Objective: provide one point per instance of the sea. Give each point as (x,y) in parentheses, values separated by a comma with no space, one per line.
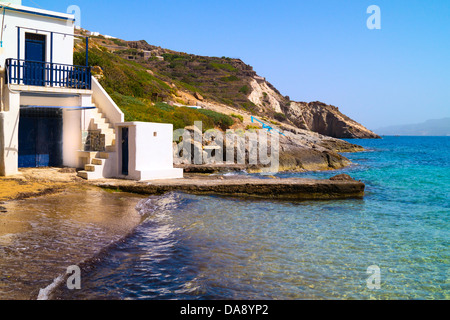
(392,244)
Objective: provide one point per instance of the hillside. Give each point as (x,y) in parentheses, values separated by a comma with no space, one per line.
(152,84)
(138,74)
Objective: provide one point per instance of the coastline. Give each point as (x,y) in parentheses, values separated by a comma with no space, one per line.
(30,199)
(244,186)
(198,179)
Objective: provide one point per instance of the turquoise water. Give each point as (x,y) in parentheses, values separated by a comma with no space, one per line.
(207,247)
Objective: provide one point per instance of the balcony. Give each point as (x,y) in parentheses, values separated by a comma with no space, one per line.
(46,74)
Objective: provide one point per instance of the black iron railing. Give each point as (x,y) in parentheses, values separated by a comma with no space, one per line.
(46,74)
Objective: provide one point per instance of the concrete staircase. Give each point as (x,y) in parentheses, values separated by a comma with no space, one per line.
(96,161)
(102,124)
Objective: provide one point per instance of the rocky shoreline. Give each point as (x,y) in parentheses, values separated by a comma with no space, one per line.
(339,187)
(201,179)
(297,151)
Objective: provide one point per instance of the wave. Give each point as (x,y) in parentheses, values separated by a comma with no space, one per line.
(152,207)
(45,294)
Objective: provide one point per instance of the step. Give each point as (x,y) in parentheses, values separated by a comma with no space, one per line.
(98,162)
(102,155)
(103,122)
(110,141)
(90,167)
(90,175)
(111,148)
(88,154)
(94,154)
(109,135)
(99,119)
(83,174)
(105,127)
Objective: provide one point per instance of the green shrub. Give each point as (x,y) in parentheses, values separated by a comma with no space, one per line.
(280,117)
(125,77)
(169,57)
(130,51)
(164,106)
(250,107)
(136,109)
(238,116)
(230,79)
(220,120)
(253,127)
(227,101)
(119,42)
(245,90)
(223,66)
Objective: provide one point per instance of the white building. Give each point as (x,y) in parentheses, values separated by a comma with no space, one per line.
(93,33)
(53,113)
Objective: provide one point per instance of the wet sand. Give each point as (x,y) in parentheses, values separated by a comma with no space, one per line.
(41,237)
(50,220)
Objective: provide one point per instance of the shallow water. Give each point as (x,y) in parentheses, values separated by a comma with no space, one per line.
(208,247)
(49,234)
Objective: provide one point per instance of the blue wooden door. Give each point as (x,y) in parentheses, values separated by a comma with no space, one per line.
(40,138)
(27,142)
(34,67)
(125,152)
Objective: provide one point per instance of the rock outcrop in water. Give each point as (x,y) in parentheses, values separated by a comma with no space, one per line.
(299,151)
(239,186)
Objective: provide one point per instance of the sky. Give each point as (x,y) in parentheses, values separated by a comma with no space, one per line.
(319,50)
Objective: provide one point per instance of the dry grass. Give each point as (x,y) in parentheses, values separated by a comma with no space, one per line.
(36,182)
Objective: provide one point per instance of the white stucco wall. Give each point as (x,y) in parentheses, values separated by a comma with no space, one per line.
(71,138)
(154,146)
(29,99)
(62,44)
(150,151)
(9,134)
(106,105)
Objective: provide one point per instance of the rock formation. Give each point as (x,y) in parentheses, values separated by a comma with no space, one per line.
(300,152)
(327,120)
(315,116)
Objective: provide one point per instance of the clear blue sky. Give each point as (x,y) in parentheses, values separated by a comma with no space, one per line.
(310,50)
